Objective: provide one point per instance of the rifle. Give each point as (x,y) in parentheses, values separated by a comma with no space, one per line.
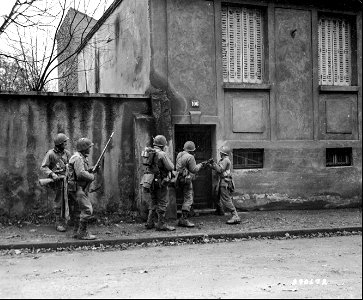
(207,162)
(95,167)
(46,181)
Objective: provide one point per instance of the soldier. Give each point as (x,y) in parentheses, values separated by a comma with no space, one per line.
(80,177)
(54,166)
(160,169)
(225,185)
(187,168)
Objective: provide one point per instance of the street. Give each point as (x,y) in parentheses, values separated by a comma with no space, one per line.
(329,267)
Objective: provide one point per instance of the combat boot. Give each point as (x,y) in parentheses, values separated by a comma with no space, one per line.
(59,224)
(151,219)
(235,218)
(183,221)
(161,225)
(83,234)
(219,211)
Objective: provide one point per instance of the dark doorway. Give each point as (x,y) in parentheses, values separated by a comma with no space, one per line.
(201,135)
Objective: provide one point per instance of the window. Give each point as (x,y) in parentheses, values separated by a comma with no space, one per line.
(334,51)
(242,44)
(336,157)
(247,158)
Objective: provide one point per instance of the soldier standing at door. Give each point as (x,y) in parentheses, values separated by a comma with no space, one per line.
(187,168)
(54,166)
(225,185)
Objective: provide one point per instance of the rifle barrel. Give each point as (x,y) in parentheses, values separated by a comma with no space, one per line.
(103,152)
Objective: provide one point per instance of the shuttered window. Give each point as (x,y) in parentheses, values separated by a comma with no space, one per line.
(242,44)
(334,51)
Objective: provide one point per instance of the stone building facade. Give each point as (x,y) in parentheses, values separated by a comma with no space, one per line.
(279,82)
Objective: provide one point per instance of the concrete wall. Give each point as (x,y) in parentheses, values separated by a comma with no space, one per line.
(29,123)
(122,48)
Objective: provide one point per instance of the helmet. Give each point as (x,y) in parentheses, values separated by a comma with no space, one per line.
(83,144)
(60,138)
(225,150)
(189,146)
(160,141)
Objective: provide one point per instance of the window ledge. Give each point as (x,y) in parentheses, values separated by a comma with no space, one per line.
(246,86)
(333,88)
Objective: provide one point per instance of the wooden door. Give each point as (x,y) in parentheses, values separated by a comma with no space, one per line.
(201,135)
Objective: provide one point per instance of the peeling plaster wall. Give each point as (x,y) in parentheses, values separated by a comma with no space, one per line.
(287,115)
(123,44)
(191,55)
(296,177)
(29,123)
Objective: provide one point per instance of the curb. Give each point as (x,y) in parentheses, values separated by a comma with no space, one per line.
(238,235)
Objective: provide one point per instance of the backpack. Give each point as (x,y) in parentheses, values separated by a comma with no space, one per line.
(148,156)
(148,159)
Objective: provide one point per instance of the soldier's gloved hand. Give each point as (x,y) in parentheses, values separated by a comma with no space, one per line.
(94,171)
(98,169)
(55,177)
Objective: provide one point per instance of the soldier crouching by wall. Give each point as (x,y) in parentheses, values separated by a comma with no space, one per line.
(54,166)
(155,182)
(225,185)
(80,177)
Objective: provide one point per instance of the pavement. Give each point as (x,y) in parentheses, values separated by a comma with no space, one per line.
(254,224)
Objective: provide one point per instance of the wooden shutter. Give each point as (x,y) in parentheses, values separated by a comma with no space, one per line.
(232,45)
(242,45)
(225,43)
(259,47)
(246,46)
(346,53)
(334,52)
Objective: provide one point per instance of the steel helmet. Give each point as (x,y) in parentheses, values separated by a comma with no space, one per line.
(189,146)
(83,144)
(225,150)
(160,141)
(60,138)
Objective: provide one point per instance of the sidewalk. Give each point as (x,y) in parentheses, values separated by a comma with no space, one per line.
(254,223)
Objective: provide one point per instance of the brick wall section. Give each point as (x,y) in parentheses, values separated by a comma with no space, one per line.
(73,30)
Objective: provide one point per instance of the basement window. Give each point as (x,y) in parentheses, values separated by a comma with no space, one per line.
(248,158)
(338,157)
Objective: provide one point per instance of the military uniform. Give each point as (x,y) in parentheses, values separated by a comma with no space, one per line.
(157,176)
(159,200)
(226,187)
(55,162)
(79,178)
(187,166)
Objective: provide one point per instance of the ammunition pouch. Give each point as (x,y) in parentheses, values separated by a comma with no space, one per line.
(147,180)
(72,186)
(166,181)
(230,186)
(186,177)
(174,178)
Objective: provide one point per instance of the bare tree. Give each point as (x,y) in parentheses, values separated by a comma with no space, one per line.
(12,77)
(51,47)
(23,13)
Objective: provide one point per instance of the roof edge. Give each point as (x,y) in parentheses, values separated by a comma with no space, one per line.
(99,23)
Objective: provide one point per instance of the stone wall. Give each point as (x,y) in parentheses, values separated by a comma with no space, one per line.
(29,124)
